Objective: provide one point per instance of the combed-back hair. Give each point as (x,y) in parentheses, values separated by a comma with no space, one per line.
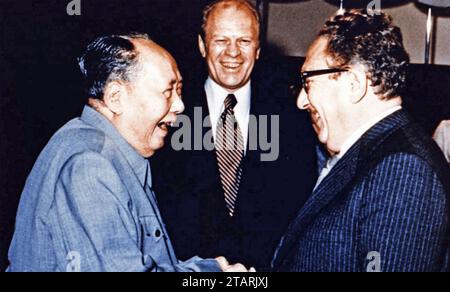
(109,58)
(227,4)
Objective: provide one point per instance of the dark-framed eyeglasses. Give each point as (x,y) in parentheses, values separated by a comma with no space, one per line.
(307,74)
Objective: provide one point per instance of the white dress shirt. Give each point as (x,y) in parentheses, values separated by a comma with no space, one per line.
(442,138)
(216,95)
(351,141)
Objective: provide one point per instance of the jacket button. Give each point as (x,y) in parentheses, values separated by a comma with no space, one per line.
(158,233)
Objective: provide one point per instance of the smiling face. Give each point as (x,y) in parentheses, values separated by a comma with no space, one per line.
(326,100)
(231,46)
(152,100)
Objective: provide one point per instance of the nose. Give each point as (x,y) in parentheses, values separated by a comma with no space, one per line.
(233,49)
(177,105)
(302,101)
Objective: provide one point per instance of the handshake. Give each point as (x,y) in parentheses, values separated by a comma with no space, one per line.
(236,268)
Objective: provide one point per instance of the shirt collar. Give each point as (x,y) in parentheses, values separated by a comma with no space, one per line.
(363,129)
(218,94)
(139,164)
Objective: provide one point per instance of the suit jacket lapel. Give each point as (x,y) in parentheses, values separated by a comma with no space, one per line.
(251,164)
(344,172)
(327,191)
(208,158)
(209,187)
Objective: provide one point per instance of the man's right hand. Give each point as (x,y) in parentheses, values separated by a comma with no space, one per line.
(236,268)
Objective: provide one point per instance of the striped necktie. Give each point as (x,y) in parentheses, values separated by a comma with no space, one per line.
(230,152)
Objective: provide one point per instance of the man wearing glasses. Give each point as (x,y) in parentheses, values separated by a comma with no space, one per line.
(381,202)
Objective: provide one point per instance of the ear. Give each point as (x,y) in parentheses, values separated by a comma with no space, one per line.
(113,97)
(258,52)
(358,84)
(201,46)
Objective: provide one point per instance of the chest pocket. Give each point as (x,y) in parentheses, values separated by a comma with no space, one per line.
(153,245)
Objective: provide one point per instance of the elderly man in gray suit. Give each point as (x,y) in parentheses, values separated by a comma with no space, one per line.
(88,204)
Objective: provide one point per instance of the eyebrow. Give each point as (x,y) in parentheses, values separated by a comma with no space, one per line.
(175,81)
(227,37)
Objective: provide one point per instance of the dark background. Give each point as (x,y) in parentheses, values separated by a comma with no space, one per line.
(40,86)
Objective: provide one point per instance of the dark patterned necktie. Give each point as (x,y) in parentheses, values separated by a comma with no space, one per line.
(230,152)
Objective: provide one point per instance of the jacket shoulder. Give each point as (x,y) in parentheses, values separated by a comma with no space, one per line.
(407,146)
(79,136)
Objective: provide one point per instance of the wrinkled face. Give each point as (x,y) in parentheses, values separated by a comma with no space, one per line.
(153,100)
(231,47)
(325,99)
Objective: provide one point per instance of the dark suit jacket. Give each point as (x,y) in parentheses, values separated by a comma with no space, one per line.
(190,193)
(388,194)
